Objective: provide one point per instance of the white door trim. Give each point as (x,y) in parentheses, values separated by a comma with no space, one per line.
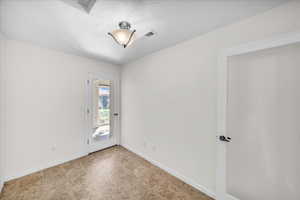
(276,41)
(115,78)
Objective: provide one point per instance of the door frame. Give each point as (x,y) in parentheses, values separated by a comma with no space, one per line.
(115,107)
(277,41)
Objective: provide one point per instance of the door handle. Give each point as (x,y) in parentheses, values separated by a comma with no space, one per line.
(224,139)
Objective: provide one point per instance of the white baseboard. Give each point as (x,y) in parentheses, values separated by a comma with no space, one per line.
(185,179)
(229,197)
(41,167)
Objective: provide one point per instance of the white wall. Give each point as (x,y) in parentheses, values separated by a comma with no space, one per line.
(263,120)
(169,97)
(43,101)
(2,47)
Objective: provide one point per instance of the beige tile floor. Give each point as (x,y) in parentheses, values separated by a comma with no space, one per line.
(111,174)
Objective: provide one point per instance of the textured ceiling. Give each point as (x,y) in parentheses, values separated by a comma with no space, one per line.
(59,25)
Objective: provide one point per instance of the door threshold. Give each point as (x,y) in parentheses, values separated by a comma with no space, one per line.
(104,149)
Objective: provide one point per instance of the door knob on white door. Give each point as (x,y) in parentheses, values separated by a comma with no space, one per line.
(224,138)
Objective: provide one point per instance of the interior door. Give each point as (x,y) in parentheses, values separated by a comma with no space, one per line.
(102,112)
(262,120)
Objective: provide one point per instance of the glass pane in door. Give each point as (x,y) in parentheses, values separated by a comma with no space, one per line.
(263,112)
(102,111)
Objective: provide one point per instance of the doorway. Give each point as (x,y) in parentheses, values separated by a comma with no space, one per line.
(103,116)
(258,132)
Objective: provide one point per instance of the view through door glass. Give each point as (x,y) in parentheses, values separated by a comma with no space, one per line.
(102,110)
(263,112)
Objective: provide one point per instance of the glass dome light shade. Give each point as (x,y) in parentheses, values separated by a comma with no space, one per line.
(123,36)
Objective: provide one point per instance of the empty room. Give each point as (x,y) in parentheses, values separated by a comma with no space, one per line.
(149,99)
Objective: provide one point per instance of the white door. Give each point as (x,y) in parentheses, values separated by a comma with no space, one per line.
(102,112)
(261,161)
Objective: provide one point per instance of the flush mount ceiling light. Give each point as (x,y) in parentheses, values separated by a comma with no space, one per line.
(123,36)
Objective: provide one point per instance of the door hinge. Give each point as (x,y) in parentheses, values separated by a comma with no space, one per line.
(88,141)
(88,81)
(88,111)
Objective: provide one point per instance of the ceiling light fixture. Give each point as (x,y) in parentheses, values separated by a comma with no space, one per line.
(123,36)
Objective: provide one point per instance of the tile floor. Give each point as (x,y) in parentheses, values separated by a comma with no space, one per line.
(111,174)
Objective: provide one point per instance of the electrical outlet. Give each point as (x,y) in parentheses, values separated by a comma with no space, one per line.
(154,148)
(53,148)
(145,144)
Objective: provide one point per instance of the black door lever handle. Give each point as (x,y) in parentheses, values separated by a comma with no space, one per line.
(225,139)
